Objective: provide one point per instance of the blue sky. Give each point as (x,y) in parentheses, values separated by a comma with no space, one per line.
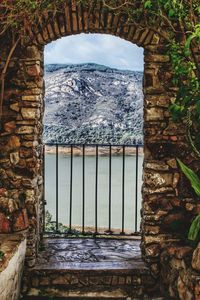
(95,48)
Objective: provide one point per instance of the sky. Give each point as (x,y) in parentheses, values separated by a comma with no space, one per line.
(102,49)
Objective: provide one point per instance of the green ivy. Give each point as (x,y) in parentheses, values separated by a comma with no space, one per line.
(2,254)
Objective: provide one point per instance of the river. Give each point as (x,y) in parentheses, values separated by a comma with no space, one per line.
(103,190)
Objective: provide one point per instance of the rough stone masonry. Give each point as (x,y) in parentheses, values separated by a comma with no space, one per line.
(167,197)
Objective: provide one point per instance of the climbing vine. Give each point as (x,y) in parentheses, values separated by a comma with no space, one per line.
(180,30)
(16,17)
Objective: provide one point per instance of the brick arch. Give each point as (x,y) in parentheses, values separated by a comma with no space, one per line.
(21,167)
(77,18)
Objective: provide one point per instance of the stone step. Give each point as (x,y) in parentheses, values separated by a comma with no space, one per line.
(104,274)
(93,298)
(89,280)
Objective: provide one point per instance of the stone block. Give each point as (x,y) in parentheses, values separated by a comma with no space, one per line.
(156,166)
(25,130)
(8,205)
(153,179)
(29,113)
(10,126)
(196,259)
(33,70)
(13,143)
(154,114)
(153,250)
(20,221)
(14,158)
(5,224)
(35,98)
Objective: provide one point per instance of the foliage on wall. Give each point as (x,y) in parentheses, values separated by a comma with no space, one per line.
(180,29)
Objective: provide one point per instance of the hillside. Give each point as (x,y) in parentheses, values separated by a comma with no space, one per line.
(91,103)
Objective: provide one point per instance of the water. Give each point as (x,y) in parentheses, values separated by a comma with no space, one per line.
(103,190)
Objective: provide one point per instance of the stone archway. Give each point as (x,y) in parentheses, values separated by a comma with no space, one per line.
(21,136)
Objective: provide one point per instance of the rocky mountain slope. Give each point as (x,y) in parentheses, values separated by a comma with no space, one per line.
(91,103)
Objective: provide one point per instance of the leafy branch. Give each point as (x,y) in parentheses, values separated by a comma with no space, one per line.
(195,183)
(180,29)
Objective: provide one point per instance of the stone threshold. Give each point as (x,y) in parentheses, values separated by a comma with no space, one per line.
(89,269)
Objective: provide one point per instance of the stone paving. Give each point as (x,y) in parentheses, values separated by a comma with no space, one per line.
(85,250)
(89,268)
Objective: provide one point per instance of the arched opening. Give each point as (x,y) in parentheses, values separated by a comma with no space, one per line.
(21,139)
(94,98)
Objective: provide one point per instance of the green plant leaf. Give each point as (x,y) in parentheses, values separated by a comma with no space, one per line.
(147,4)
(194,229)
(191,175)
(198,107)
(171,13)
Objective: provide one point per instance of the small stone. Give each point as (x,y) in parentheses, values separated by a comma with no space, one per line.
(26,153)
(155,268)
(15,107)
(13,143)
(44,281)
(169,220)
(197,291)
(157,179)
(121,280)
(196,258)
(33,52)
(190,206)
(114,280)
(176,180)
(35,282)
(154,114)
(3,192)
(128,280)
(30,263)
(136,280)
(20,221)
(172,163)
(5,224)
(152,229)
(29,113)
(10,126)
(34,70)
(35,98)
(179,252)
(157,166)
(11,206)
(14,158)
(173,138)
(153,250)
(25,130)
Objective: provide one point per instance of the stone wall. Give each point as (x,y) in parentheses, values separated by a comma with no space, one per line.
(11,265)
(167,196)
(181,279)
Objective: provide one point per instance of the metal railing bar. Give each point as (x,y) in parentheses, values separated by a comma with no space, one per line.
(71,189)
(123,188)
(57,187)
(136,188)
(96,190)
(94,145)
(44,185)
(110,186)
(83,212)
(97,153)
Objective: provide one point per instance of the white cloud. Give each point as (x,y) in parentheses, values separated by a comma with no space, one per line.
(97,48)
